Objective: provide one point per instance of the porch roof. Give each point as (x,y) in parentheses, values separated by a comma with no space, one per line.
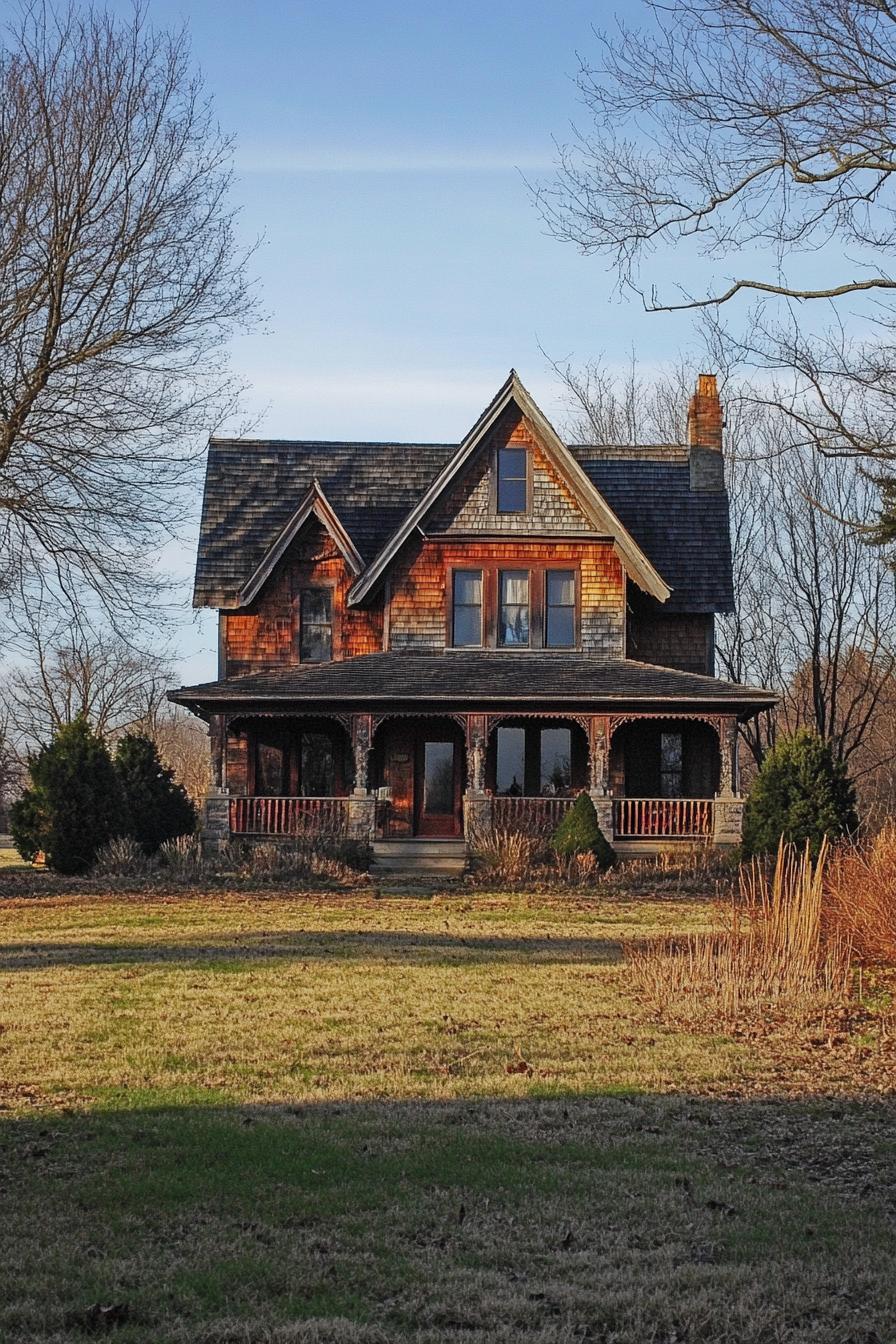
(474,679)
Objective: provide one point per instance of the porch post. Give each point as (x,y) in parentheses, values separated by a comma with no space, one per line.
(362,804)
(728,809)
(599,771)
(216,812)
(728,753)
(477,804)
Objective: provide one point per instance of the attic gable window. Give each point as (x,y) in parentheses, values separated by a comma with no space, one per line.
(315,625)
(512,480)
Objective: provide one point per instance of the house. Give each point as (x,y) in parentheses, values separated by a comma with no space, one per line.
(427,640)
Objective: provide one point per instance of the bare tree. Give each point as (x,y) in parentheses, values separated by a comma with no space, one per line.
(182,742)
(120,283)
(71,670)
(745,129)
(815,610)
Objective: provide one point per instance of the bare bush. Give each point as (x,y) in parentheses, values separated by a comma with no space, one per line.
(182,856)
(508,855)
(122,857)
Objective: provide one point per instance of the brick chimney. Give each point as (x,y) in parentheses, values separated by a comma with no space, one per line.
(705,425)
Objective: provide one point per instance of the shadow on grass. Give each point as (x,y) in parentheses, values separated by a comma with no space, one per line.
(605,1218)
(329,945)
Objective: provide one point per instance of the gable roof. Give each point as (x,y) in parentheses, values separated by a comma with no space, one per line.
(252,487)
(602,517)
(315,503)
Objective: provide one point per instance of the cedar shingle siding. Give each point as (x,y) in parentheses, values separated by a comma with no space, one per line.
(676,515)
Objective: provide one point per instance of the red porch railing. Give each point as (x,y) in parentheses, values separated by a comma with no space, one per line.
(529,814)
(671,818)
(288,816)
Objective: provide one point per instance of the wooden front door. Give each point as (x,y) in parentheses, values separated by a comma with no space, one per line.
(422,769)
(398,771)
(437,785)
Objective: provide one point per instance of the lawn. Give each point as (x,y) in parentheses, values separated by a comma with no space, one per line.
(256,1117)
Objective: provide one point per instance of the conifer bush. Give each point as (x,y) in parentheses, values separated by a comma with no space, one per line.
(158,808)
(579,833)
(801,794)
(74,803)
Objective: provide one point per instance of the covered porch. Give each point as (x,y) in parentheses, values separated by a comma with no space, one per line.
(447,747)
(656,780)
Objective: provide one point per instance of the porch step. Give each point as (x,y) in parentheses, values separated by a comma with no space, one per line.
(419,855)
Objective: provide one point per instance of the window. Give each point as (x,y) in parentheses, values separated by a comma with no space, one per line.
(513,613)
(467,612)
(316,625)
(513,477)
(510,765)
(317,766)
(671,765)
(270,768)
(559,609)
(555,761)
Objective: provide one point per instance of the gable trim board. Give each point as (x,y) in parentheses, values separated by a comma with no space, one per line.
(315,503)
(595,507)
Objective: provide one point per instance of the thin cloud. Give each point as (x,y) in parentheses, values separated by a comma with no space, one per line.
(337,160)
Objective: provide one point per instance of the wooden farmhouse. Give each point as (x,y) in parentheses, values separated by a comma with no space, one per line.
(422,641)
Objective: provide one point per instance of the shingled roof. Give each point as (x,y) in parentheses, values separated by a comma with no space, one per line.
(253,488)
(460,676)
(685,532)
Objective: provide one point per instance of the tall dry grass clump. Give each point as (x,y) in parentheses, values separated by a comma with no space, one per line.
(861,897)
(775,947)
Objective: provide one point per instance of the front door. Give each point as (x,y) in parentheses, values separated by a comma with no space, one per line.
(437,799)
(398,771)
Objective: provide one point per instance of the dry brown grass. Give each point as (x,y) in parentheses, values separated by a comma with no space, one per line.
(774,948)
(861,897)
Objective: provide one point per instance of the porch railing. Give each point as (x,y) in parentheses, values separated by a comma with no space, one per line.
(288,816)
(671,818)
(529,814)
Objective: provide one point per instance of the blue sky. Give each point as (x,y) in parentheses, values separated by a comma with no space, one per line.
(381,151)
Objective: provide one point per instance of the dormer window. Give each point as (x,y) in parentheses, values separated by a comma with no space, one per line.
(315,625)
(512,480)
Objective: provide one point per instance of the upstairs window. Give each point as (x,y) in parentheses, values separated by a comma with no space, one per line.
(513,609)
(315,625)
(513,480)
(559,609)
(466,630)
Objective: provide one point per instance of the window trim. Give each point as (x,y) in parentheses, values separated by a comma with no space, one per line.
(491,603)
(482,571)
(330,590)
(513,569)
(526,450)
(562,568)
